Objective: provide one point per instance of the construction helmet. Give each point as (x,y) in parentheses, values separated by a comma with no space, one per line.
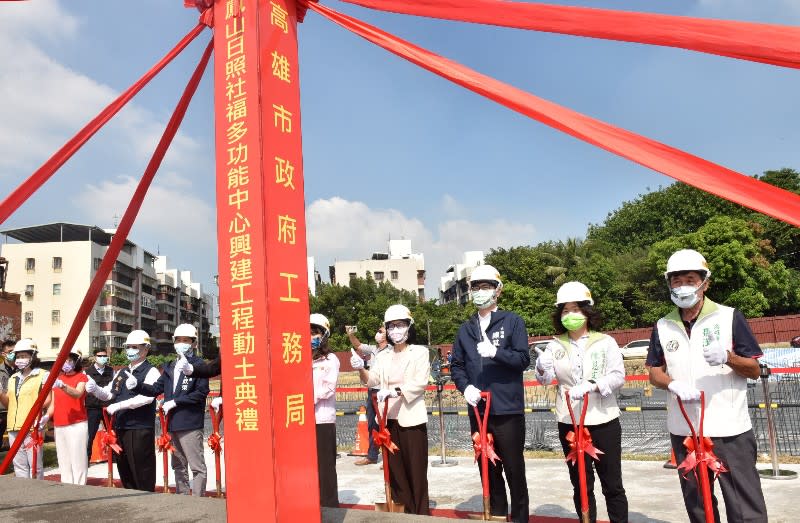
(26,345)
(185,329)
(138,337)
(321,321)
(398,312)
(486,273)
(573,291)
(687,260)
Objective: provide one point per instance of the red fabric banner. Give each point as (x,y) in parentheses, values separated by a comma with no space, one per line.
(18,196)
(682,166)
(766,43)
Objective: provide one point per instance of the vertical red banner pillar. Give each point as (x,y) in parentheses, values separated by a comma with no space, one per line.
(270,433)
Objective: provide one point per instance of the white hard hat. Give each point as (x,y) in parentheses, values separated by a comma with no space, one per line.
(138,337)
(320,321)
(485,273)
(687,260)
(398,312)
(573,291)
(26,345)
(185,329)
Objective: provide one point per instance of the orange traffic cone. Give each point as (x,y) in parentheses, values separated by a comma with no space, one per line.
(671,464)
(98,456)
(361,448)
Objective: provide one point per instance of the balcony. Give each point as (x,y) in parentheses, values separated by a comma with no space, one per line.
(164,316)
(115,326)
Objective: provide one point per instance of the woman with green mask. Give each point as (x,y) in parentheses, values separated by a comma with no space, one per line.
(584,360)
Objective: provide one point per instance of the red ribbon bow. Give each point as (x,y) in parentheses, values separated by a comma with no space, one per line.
(110,441)
(709,459)
(584,445)
(36,441)
(215,442)
(206,8)
(490,453)
(383,438)
(164,443)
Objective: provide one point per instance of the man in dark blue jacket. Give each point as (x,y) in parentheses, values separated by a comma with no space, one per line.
(185,407)
(489,355)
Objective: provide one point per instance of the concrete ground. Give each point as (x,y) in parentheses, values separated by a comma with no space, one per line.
(653,495)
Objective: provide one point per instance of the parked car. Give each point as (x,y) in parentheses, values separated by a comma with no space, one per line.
(635,349)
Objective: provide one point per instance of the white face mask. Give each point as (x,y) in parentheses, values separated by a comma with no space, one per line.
(183,348)
(132,354)
(21,363)
(484,298)
(398,334)
(684,296)
(380,337)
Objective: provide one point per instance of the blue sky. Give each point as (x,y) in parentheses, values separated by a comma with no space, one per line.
(389,149)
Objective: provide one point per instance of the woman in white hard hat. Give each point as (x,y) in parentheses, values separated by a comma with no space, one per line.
(326,373)
(23,389)
(402,374)
(584,360)
(70,420)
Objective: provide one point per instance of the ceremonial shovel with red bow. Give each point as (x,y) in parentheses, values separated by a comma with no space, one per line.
(164,444)
(34,444)
(483,444)
(580,443)
(383,439)
(110,444)
(215,444)
(700,458)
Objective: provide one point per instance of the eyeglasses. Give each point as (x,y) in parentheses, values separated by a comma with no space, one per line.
(482,287)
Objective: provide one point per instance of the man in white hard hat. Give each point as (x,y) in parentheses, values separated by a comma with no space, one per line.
(702,345)
(134,414)
(490,354)
(185,408)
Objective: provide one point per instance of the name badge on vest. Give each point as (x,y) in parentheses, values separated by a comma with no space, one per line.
(672,345)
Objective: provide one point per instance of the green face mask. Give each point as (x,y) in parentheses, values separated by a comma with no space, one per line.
(573,321)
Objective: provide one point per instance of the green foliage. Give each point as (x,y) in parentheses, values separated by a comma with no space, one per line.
(118,359)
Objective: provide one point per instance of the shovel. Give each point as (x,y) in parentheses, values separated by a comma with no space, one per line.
(110,445)
(383,438)
(580,449)
(164,443)
(34,444)
(484,452)
(215,444)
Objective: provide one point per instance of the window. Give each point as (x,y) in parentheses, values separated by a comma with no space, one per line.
(55,343)
(28,316)
(30,264)
(56,315)
(395,275)
(97,262)
(56,289)
(378,276)
(352,276)
(29,291)
(57,263)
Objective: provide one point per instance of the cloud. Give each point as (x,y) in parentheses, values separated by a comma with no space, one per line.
(340,229)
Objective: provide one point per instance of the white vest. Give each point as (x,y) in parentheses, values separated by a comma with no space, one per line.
(600,409)
(725,391)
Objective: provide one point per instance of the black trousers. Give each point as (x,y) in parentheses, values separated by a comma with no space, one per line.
(372,424)
(326,465)
(608,438)
(136,463)
(94,417)
(741,486)
(408,467)
(509,442)
(4,425)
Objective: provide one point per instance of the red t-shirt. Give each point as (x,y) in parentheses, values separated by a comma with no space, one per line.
(68,410)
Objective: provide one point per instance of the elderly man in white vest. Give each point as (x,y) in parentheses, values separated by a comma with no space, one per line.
(705,346)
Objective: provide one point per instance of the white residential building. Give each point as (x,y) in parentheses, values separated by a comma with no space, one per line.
(401,267)
(52,267)
(454,285)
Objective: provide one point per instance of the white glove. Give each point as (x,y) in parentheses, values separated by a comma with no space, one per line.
(578,391)
(356,361)
(544,360)
(168,406)
(216,403)
(113,409)
(487,349)
(472,395)
(91,386)
(58,384)
(714,353)
(684,391)
(43,421)
(183,366)
(130,382)
(382,394)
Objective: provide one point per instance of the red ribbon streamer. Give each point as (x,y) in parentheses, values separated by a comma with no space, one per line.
(491,455)
(110,257)
(382,438)
(164,441)
(709,459)
(215,439)
(109,441)
(692,170)
(766,43)
(585,444)
(702,456)
(206,8)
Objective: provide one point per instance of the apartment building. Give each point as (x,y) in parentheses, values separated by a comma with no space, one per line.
(454,285)
(52,265)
